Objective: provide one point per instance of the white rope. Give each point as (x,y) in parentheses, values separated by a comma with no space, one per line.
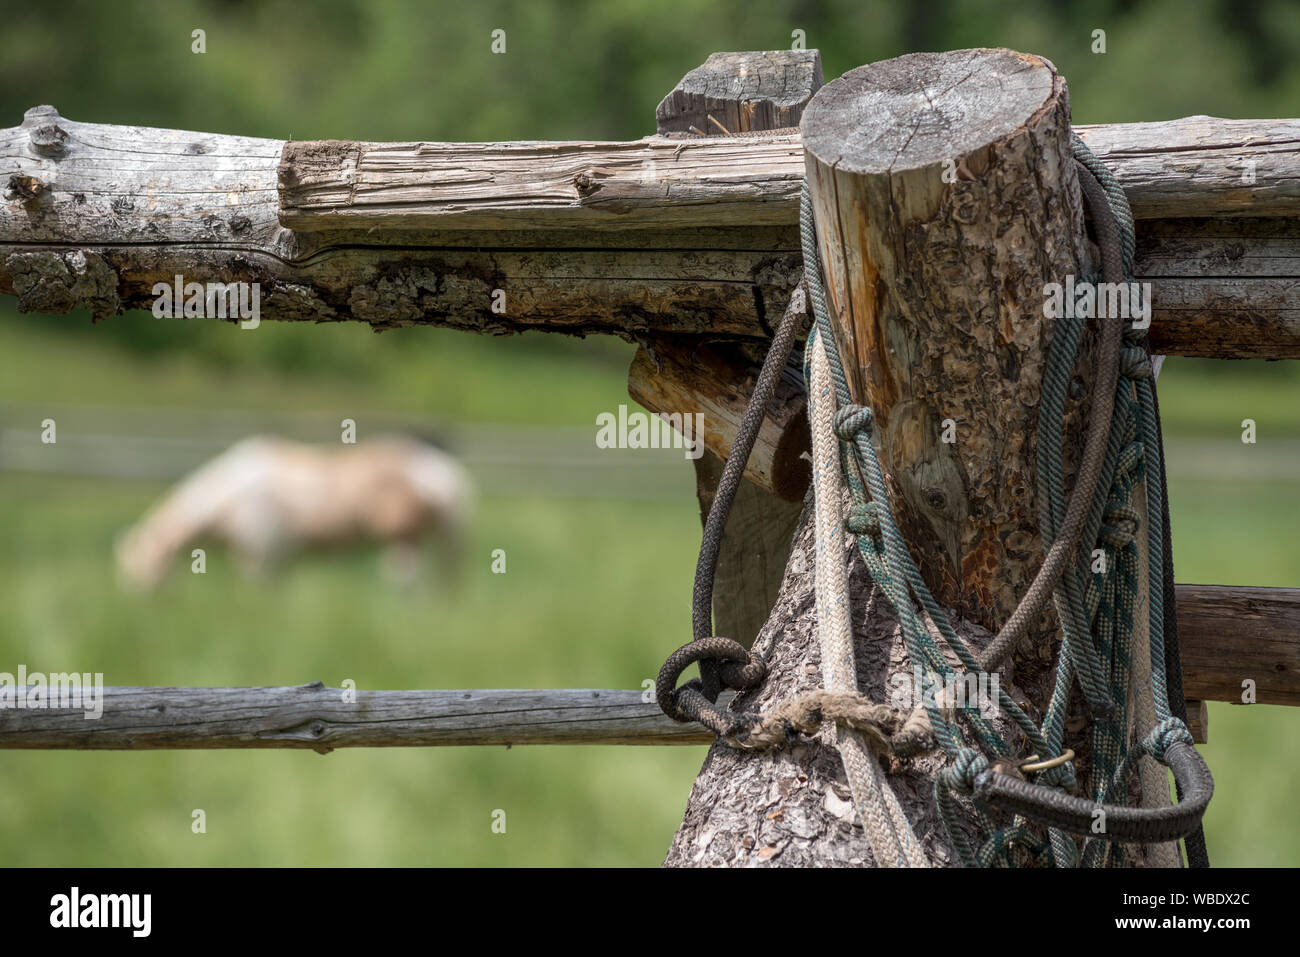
(890,835)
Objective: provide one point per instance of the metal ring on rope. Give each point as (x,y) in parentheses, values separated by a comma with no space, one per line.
(1121,823)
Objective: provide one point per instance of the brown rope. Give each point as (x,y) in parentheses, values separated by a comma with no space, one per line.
(1094,452)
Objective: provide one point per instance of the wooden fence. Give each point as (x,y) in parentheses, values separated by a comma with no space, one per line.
(685,243)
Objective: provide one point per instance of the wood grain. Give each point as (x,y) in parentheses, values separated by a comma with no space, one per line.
(1231,634)
(96,215)
(318,718)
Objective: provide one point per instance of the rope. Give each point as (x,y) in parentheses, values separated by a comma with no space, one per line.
(694,700)
(892,842)
(1095,611)
(1197,854)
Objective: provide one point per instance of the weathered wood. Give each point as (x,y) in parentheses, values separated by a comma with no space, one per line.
(1228,633)
(1203,165)
(1198,721)
(1182,168)
(937,289)
(99,214)
(120,209)
(655,182)
(936,292)
(1222,288)
(321,719)
(791,808)
(744,92)
(716,382)
(1232,634)
(751,92)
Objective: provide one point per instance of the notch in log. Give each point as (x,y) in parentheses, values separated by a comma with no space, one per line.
(716,382)
(744,92)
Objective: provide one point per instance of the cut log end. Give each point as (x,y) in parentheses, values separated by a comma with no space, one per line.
(925,108)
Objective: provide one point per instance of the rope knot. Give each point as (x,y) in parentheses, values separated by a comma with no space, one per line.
(967,765)
(1167,732)
(1120,524)
(852,419)
(1134,363)
(863,519)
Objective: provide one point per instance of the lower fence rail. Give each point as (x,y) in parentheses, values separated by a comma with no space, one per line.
(321,718)
(1239,644)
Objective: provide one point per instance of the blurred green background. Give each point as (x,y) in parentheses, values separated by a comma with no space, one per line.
(599,567)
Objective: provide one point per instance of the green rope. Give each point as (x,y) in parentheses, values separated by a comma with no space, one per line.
(1095,609)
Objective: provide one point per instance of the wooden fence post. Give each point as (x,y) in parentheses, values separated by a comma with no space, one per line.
(945,198)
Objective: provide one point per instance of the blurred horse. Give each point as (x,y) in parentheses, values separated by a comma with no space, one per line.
(268,497)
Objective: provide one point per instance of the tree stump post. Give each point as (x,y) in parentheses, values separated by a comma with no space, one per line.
(945,199)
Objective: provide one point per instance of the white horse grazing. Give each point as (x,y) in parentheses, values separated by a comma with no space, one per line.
(267,497)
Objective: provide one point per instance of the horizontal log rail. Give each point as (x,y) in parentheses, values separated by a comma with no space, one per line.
(1199,166)
(682,236)
(1229,635)
(319,718)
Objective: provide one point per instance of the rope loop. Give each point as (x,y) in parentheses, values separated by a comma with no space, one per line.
(737,668)
(1135,363)
(850,420)
(1119,525)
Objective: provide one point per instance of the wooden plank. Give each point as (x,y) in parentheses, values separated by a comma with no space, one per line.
(1203,165)
(1193,167)
(319,718)
(1230,634)
(655,182)
(1222,288)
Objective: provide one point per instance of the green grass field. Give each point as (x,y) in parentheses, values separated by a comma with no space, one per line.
(595,594)
(582,604)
